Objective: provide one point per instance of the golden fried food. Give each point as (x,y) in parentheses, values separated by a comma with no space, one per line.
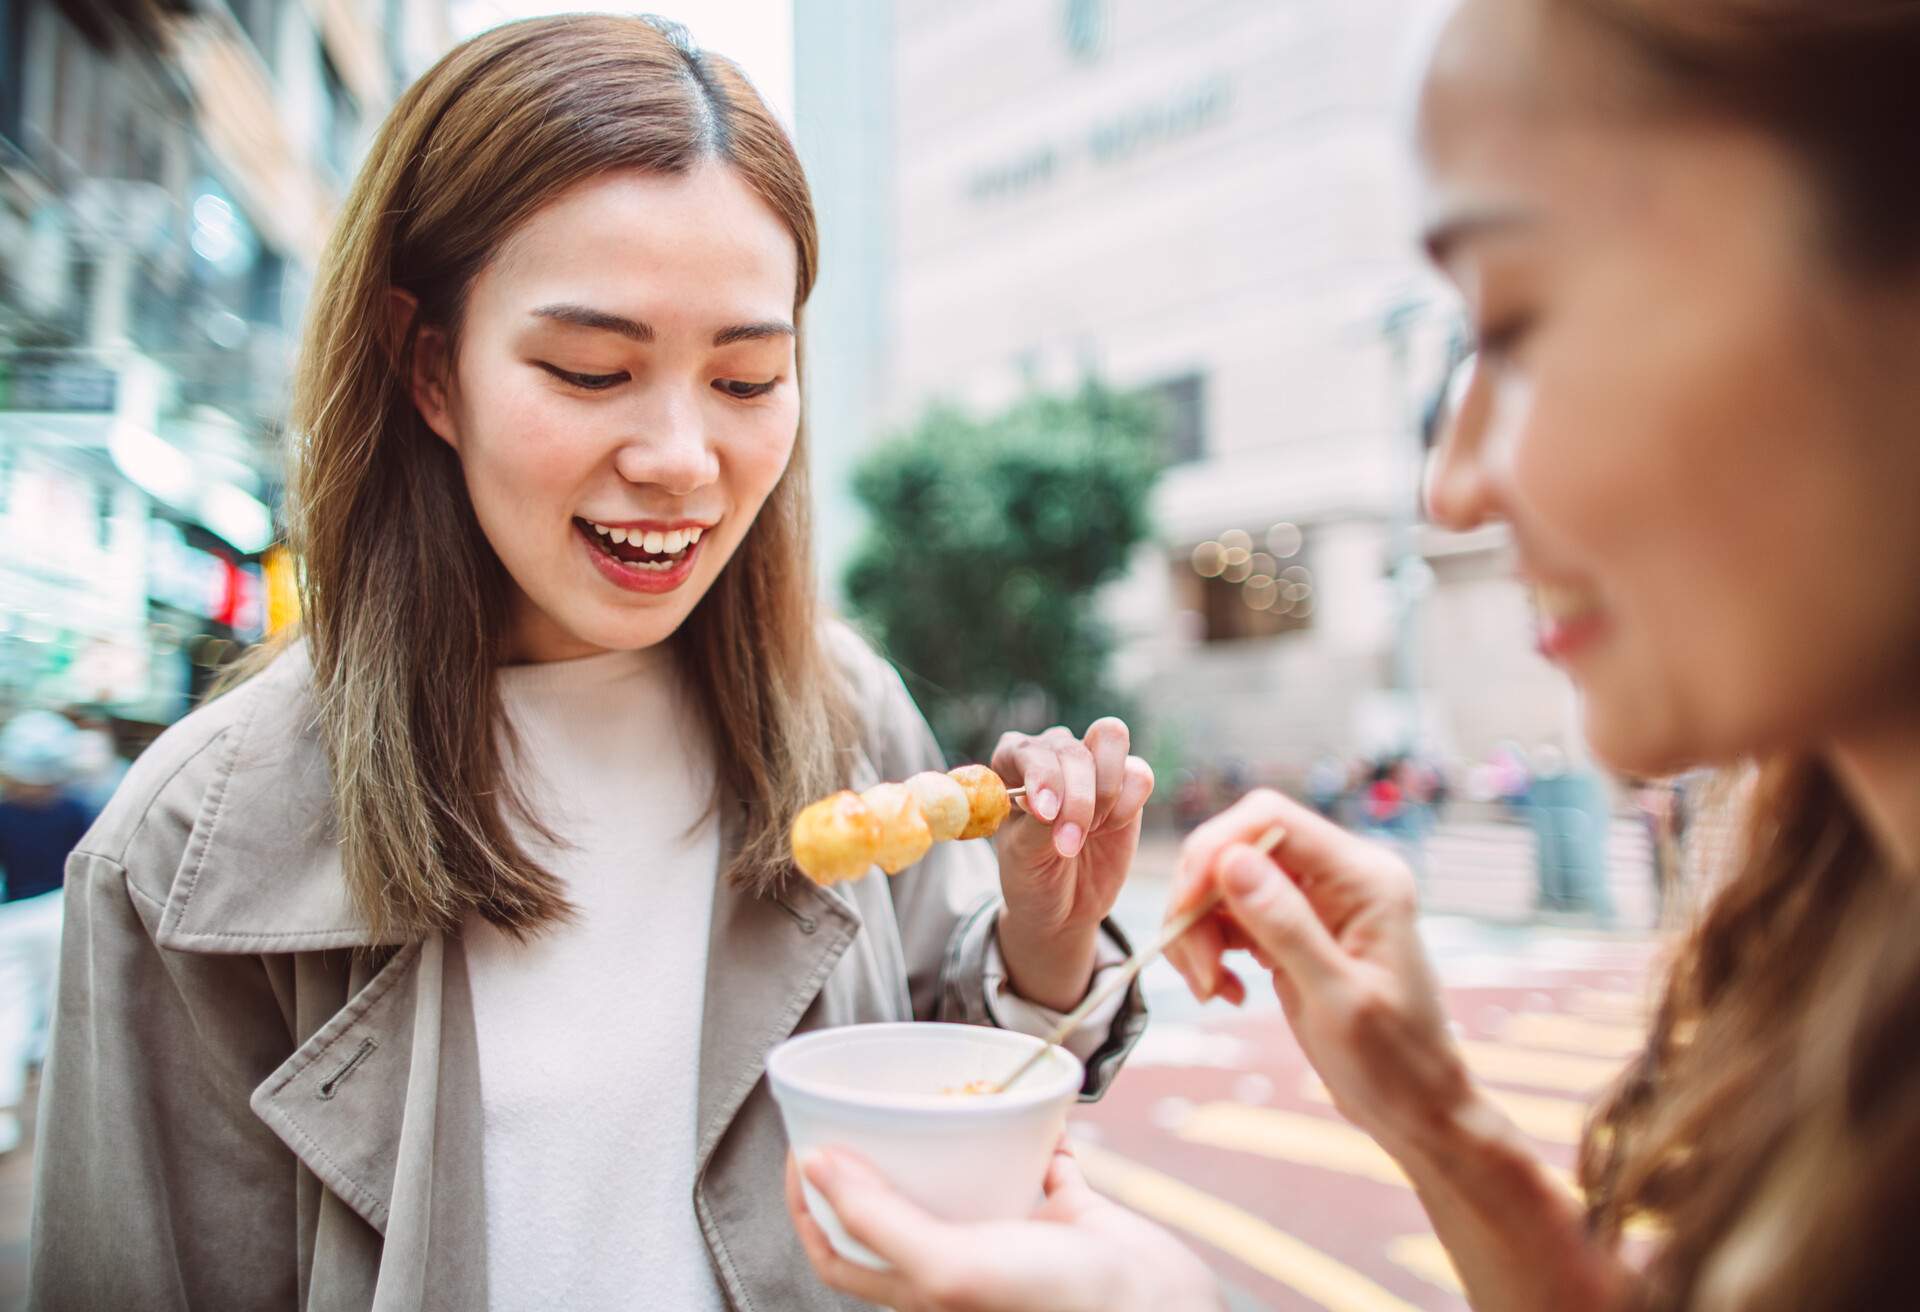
(904,834)
(971,1089)
(836,838)
(943,802)
(987,803)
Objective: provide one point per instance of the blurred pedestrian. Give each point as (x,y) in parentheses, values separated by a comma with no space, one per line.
(98,764)
(40,824)
(437,964)
(1326,784)
(1688,232)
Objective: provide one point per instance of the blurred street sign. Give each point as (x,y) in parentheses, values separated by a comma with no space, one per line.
(59,380)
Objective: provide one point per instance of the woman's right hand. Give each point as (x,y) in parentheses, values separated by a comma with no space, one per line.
(1333,917)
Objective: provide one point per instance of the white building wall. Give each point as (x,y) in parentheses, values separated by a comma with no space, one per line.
(1218,187)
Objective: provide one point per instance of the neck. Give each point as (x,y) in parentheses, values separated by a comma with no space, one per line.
(1880,768)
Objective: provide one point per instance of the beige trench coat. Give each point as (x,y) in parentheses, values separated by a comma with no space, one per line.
(249,1103)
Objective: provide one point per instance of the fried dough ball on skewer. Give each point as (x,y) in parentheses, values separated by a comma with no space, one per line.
(904,834)
(943,802)
(987,802)
(836,838)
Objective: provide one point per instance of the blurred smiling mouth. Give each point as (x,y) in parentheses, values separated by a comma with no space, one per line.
(1569,618)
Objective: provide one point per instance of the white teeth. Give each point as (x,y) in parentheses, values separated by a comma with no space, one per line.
(670,543)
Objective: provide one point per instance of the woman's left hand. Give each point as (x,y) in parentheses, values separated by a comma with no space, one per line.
(1078,1253)
(1065,852)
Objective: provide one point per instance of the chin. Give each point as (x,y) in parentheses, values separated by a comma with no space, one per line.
(632,632)
(1638,740)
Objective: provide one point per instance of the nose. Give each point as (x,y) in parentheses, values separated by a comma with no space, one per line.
(668,448)
(1459,484)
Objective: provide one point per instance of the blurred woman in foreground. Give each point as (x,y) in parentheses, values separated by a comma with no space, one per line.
(1688,232)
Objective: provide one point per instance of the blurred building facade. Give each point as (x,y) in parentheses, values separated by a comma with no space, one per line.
(168,169)
(1205,198)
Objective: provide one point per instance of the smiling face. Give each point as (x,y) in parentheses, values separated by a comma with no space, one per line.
(1698,427)
(623,400)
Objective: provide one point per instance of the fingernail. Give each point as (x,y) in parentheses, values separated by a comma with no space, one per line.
(1045,804)
(1245,874)
(1068,839)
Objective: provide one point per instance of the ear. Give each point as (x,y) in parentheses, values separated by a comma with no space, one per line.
(429,367)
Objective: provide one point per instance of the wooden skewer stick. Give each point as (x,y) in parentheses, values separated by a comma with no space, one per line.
(1124,976)
(1021,791)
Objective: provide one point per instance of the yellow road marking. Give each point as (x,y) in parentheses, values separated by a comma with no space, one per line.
(1236,1232)
(1426,1257)
(1538,1070)
(1292,1137)
(1626,1008)
(1594,1038)
(1552,1120)
(1306,1140)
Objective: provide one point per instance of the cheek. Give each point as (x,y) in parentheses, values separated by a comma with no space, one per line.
(1675,462)
(757,450)
(526,447)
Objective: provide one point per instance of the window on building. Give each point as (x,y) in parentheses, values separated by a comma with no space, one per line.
(1246,585)
(1183,422)
(343,121)
(13,68)
(257,20)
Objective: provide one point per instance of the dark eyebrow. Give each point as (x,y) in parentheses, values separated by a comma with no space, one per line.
(581,316)
(1446,235)
(752,332)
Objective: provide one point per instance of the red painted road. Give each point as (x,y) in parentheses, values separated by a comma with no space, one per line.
(1347,1214)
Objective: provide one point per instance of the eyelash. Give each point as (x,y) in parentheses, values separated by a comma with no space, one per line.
(1499,341)
(601,382)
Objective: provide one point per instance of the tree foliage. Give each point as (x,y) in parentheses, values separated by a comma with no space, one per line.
(985,542)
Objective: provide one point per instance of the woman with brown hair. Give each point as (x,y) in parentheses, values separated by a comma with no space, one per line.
(437,964)
(1688,233)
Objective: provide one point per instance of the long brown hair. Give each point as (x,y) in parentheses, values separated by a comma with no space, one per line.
(1771,1127)
(405,603)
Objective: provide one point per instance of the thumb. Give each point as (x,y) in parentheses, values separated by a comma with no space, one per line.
(873,1213)
(1272,911)
(1067,1189)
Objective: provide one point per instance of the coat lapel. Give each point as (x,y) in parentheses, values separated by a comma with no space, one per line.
(767,960)
(382,1104)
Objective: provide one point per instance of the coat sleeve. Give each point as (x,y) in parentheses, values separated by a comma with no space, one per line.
(154,1184)
(948,905)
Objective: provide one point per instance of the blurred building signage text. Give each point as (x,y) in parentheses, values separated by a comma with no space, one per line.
(186,578)
(1111,140)
(60,380)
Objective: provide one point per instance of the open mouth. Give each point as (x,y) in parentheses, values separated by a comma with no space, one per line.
(650,550)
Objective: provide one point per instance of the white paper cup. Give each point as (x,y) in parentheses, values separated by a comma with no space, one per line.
(877,1089)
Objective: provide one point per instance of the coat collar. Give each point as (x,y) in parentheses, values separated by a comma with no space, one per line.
(261,872)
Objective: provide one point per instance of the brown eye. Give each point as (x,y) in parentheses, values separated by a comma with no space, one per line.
(740,390)
(585,382)
(1499,341)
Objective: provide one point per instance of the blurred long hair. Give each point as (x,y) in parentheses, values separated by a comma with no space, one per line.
(1771,1126)
(405,603)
